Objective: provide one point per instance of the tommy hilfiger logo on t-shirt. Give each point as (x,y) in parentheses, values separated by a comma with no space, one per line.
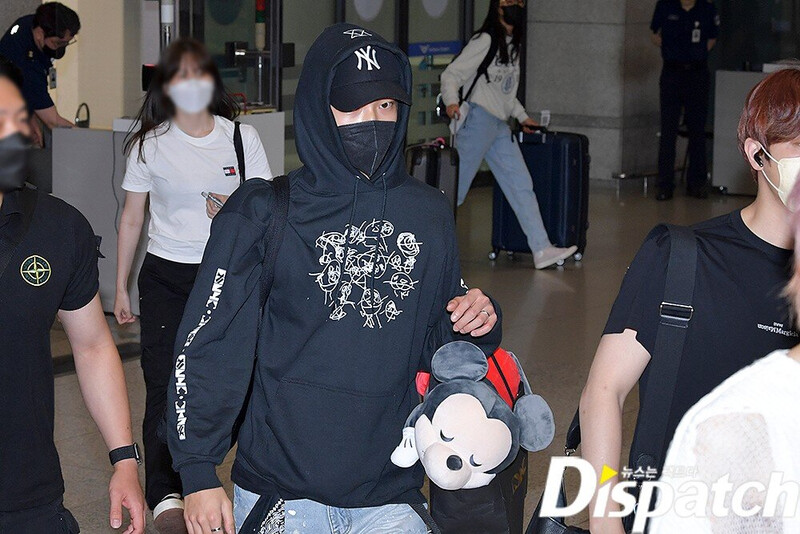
(229,171)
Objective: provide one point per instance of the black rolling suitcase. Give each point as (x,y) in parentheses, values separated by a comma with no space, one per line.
(436,164)
(559,165)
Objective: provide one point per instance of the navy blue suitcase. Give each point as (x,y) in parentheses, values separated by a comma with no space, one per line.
(559,166)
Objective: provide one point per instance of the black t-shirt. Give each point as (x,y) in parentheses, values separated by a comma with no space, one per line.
(18,46)
(54,267)
(740,314)
(685,34)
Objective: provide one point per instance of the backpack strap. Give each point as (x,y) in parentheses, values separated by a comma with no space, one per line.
(423,514)
(238,145)
(676,312)
(483,68)
(27,199)
(273,237)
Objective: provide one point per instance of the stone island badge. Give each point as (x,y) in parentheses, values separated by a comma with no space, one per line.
(35,270)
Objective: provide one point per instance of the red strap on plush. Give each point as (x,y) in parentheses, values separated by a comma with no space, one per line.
(423,380)
(503,374)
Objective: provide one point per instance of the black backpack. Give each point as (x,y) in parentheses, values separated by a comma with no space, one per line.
(483,70)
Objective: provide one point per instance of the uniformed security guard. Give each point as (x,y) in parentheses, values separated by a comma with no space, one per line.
(48,268)
(686,30)
(32,43)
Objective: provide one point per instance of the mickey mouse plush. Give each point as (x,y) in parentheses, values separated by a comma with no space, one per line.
(464,433)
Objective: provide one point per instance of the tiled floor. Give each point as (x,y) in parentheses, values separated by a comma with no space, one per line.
(553,320)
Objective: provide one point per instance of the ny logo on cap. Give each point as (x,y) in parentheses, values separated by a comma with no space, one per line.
(367,55)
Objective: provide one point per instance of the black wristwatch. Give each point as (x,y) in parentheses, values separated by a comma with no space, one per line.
(125,453)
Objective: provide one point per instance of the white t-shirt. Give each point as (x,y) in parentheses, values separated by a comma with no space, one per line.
(747,428)
(176,169)
(499,96)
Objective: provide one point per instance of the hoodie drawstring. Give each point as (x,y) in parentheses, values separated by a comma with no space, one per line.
(348,230)
(380,229)
(348,233)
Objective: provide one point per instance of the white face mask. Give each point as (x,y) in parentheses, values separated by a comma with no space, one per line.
(788,170)
(191,96)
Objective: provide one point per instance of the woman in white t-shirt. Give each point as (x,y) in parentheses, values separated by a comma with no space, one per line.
(733,466)
(485,133)
(182,158)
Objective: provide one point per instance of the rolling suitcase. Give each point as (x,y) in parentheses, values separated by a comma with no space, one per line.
(436,164)
(559,166)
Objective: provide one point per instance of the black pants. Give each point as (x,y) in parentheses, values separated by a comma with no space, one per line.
(51,518)
(683,87)
(164,288)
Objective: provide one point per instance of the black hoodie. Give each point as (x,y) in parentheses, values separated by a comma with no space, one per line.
(351,318)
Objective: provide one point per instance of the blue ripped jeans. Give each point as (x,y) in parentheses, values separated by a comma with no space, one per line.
(309,517)
(484,136)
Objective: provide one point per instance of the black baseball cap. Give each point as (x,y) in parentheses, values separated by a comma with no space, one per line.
(371,73)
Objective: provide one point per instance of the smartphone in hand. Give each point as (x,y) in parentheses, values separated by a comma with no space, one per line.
(213,199)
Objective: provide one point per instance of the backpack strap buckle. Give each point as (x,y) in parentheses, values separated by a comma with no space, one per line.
(677,315)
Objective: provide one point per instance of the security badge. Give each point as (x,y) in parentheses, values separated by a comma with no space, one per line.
(696,33)
(35,270)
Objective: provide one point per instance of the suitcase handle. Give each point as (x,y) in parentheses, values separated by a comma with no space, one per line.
(538,137)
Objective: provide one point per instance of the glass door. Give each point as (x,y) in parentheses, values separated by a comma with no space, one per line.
(434,38)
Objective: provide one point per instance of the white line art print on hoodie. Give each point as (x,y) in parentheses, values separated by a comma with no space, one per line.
(367,271)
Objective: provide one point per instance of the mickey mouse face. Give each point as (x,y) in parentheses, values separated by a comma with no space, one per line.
(460,443)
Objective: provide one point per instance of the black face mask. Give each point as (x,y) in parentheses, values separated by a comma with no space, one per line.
(367,143)
(514,15)
(14,153)
(56,53)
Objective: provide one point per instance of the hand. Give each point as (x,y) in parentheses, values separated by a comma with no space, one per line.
(454,111)
(211,208)
(122,308)
(208,509)
(472,313)
(656,38)
(126,491)
(529,125)
(36,132)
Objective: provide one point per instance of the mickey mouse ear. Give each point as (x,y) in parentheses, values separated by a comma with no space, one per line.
(459,359)
(537,427)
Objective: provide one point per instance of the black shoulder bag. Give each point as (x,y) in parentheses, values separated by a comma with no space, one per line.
(675,313)
(9,244)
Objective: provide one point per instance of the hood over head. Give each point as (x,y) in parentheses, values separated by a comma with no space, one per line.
(317,136)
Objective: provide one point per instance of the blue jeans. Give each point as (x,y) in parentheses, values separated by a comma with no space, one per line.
(484,136)
(309,517)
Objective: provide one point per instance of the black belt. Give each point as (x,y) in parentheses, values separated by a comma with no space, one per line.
(686,65)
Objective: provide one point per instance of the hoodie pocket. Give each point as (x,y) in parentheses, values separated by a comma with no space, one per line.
(337,441)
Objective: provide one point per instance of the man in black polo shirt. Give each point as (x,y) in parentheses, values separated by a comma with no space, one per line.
(686,30)
(48,267)
(32,43)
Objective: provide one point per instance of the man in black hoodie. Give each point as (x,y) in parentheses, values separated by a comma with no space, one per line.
(367,286)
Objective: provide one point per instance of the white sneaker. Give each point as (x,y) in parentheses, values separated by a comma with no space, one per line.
(552,255)
(168,515)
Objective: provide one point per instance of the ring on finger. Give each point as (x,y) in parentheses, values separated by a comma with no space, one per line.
(487,313)
(218,529)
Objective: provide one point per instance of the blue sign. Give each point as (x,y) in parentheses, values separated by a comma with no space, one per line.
(435,48)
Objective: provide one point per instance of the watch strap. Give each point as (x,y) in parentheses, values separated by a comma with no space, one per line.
(125,453)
